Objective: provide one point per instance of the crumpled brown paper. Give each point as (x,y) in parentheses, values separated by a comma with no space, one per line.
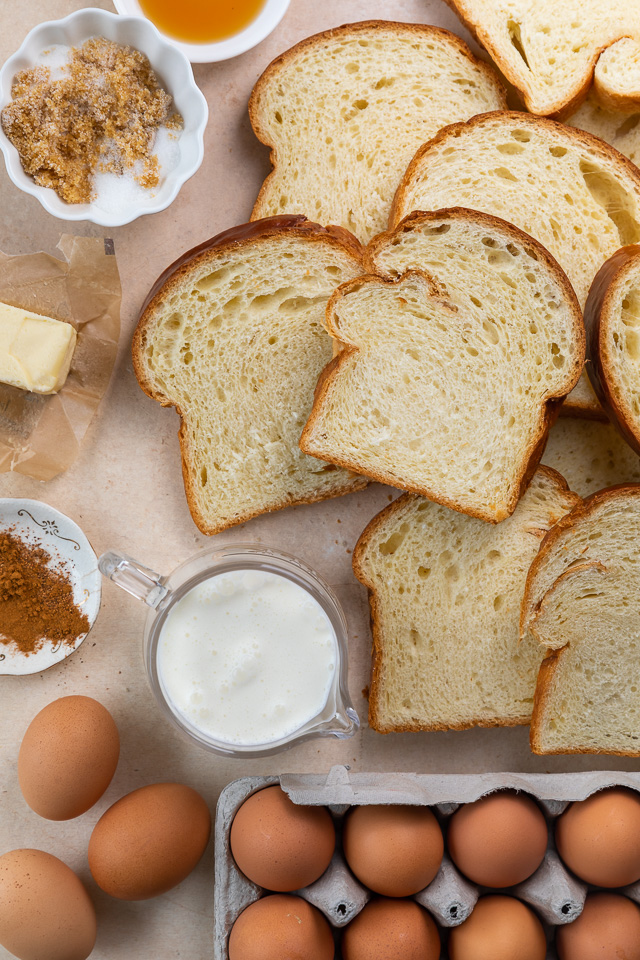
(40,436)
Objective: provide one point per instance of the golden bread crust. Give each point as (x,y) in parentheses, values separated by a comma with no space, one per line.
(333,370)
(171,280)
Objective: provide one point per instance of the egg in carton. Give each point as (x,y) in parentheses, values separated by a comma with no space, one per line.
(552,891)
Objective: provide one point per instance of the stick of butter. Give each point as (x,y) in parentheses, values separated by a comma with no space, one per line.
(35,351)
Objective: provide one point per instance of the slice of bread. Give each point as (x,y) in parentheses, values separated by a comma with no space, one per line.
(612,322)
(616,80)
(445,593)
(232,336)
(345,110)
(590,455)
(581,602)
(621,130)
(550,50)
(571,191)
(448,377)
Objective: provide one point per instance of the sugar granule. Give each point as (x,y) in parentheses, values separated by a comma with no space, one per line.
(101,113)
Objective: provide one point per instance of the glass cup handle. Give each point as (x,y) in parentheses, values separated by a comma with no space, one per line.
(137,580)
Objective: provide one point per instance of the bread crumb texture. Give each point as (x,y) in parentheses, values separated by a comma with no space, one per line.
(549,50)
(590,455)
(570,191)
(443,386)
(345,111)
(446,591)
(620,129)
(582,602)
(236,342)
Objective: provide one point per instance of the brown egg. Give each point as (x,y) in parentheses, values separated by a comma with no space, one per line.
(607,929)
(500,928)
(599,838)
(281,927)
(391,930)
(45,911)
(395,850)
(149,841)
(67,757)
(499,840)
(279,844)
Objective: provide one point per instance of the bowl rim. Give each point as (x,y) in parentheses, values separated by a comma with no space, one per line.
(217,51)
(46,195)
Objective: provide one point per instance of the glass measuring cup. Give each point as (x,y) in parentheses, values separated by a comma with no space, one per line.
(337,719)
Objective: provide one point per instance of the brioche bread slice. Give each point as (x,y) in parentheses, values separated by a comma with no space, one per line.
(571,191)
(232,336)
(581,602)
(621,130)
(345,110)
(445,593)
(447,377)
(551,51)
(612,321)
(616,79)
(590,455)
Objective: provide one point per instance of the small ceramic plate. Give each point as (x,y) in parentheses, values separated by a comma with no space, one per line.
(39,524)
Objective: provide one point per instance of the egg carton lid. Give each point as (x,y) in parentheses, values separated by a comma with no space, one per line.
(556,895)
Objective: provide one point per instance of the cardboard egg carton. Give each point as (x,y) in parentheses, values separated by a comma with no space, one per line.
(554,893)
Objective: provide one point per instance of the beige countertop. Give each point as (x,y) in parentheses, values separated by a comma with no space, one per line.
(125,491)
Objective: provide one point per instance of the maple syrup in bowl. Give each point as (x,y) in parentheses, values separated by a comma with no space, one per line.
(209,30)
(202,21)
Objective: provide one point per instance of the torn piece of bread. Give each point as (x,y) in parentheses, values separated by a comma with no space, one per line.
(616,81)
(571,191)
(621,130)
(590,455)
(345,110)
(232,335)
(612,322)
(445,593)
(581,602)
(448,376)
(549,50)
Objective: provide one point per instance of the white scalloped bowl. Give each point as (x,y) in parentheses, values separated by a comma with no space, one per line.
(175,75)
(265,23)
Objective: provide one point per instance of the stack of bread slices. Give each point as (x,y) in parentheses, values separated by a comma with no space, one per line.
(425,274)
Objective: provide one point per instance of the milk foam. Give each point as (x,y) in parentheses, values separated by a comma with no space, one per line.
(247,657)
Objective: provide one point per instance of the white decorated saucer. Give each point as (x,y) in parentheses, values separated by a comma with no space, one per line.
(38,524)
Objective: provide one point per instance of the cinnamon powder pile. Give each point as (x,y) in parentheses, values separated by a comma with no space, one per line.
(36,601)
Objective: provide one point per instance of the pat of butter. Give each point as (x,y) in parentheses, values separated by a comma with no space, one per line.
(35,351)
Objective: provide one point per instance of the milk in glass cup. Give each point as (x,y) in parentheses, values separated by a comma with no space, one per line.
(245,648)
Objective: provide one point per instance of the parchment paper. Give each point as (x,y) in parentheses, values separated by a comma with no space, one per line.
(40,436)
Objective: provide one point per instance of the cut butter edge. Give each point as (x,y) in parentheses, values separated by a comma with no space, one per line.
(35,351)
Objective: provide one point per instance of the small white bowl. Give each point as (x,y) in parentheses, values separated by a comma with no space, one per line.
(174,74)
(264,24)
(40,525)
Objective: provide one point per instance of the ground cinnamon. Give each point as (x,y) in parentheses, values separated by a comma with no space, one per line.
(36,600)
